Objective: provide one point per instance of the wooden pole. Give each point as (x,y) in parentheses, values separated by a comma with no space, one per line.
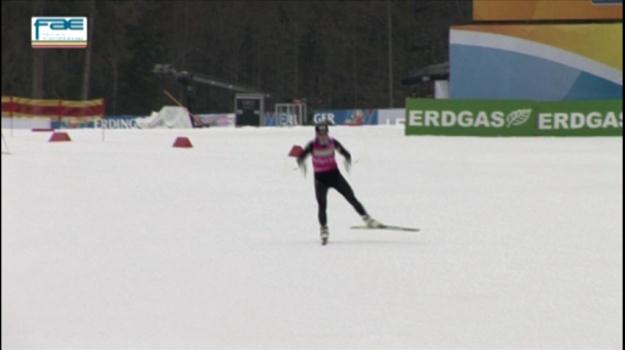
(181,105)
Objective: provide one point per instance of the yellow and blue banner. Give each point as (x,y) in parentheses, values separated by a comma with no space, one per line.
(537,62)
(536,10)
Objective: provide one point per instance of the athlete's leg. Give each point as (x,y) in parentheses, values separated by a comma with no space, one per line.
(321,192)
(343,187)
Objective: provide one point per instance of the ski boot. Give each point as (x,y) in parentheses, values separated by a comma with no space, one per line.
(324,235)
(371,222)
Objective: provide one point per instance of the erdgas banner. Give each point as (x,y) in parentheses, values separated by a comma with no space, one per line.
(514,118)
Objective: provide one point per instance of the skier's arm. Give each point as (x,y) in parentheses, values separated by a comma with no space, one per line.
(342,150)
(307,151)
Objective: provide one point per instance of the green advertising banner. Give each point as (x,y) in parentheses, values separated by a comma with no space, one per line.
(514,118)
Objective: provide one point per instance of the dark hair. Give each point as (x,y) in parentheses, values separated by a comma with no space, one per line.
(321,127)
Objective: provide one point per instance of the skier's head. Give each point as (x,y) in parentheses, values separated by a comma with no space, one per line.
(321,128)
(321,131)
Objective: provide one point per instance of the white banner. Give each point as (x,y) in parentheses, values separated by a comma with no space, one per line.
(26,123)
(395,116)
(223,119)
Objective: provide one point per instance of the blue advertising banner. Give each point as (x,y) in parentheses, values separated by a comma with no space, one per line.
(281,119)
(347,116)
(108,122)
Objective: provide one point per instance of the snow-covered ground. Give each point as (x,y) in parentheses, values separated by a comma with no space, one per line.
(130,243)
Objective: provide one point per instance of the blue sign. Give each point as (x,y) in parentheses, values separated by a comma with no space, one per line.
(347,116)
(108,122)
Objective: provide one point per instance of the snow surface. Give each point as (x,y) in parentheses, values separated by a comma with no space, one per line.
(130,243)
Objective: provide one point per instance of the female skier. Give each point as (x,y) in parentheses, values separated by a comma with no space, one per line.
(327,176)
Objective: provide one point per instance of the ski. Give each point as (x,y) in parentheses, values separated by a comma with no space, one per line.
(386,227)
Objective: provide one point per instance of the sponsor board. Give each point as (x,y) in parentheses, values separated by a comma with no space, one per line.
(280,119)
(211,120)
(514,118)
(347,116)
(392,116)
(116,122)
(58,32)
(25,123)
(546,62)
(109,122)
(540,10)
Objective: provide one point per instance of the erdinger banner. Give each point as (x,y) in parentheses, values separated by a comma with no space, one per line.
(538,10)
(513,118)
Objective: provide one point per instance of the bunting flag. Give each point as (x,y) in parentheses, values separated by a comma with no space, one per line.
(68,110)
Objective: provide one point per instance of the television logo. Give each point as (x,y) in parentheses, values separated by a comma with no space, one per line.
(58,32)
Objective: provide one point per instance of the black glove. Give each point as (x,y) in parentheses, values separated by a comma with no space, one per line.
(347,163)
(302,165)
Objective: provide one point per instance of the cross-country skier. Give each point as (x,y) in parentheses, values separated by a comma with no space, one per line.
(327,175)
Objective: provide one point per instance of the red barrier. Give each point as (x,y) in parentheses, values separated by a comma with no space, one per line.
(183,142)
(59,137)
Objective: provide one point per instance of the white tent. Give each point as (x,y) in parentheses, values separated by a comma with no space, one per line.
(170,117)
